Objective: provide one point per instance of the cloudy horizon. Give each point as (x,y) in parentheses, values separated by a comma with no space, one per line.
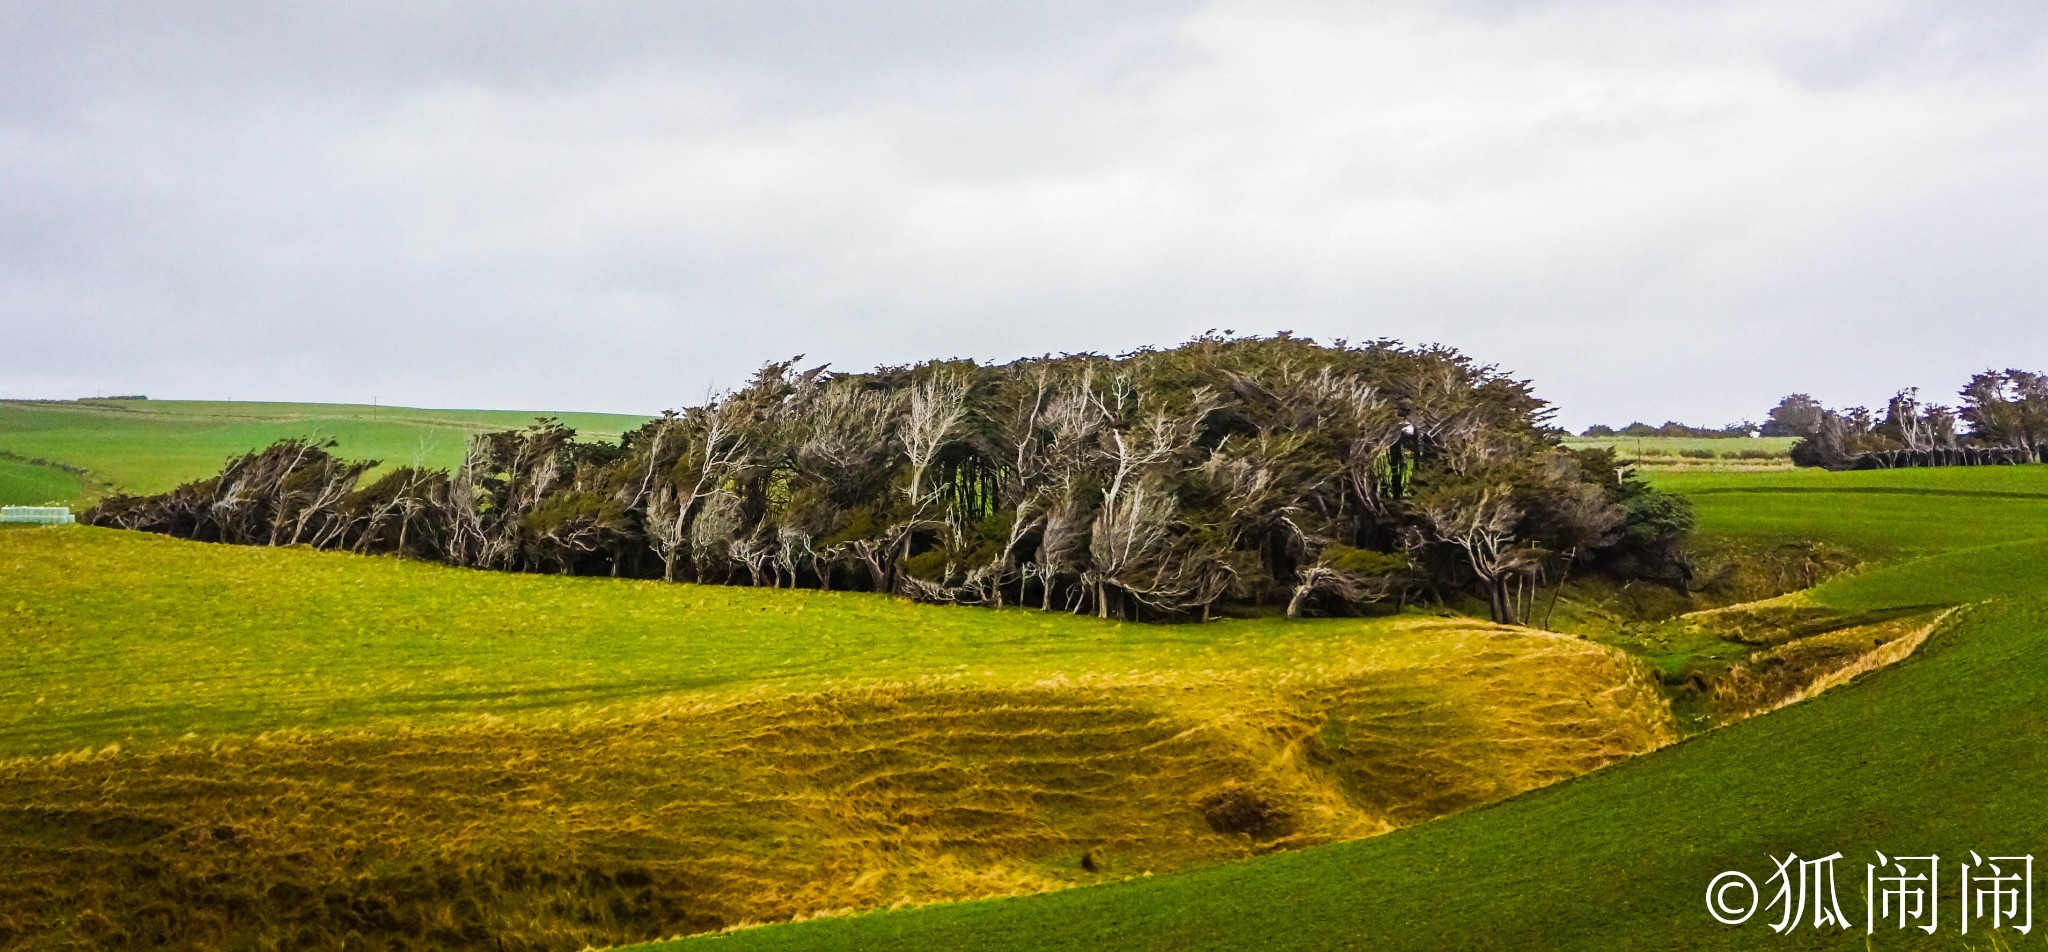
(1653,211)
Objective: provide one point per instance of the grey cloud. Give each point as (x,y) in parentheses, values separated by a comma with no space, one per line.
(69,54)
(1654,210)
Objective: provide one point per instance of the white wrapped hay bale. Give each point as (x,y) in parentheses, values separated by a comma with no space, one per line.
(36,515)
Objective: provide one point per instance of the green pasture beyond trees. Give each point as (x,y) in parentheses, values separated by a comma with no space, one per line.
(1940,753)
(27,484)
(1878,514)
(1722,447)
(148,446)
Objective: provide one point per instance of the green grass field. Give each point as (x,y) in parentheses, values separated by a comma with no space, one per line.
(212,746)
(1689,453)
(23,483)
(130,638)
(1940,753)
(145,446)
(204,736)
(1877,514)
(1971,481)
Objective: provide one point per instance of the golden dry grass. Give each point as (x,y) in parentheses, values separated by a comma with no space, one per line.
(120,637)
(1941,754)
(685,814)
(1799,668)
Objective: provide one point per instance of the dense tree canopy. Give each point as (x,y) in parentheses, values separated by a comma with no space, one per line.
(1224,474)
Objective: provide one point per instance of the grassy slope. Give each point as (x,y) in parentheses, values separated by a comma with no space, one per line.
(1724,446)
(125,638)
(153,445)
(457,758)
(1940,753)
(1877,514)
(26,484)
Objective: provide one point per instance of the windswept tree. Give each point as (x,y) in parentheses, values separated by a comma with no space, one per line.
(1917,426)
(843,455)
(1227,473)
(1480,522)
(2002,419)
(2007,408)
(690,460)
(290,493)
(400,513)
(1797,415)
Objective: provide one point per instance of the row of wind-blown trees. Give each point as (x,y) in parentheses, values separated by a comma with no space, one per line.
(1228,473)
(2002,418)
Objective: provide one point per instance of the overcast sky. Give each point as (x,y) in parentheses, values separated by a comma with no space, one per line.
(1654,210)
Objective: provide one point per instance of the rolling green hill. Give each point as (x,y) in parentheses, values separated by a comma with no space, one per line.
(1879,514)
(145,446)
(205,746)
(23,483)
(1940,753)
(1685,453)
(213,745)
(131,638)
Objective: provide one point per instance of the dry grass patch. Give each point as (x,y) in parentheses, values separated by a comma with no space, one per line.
(683,815)
(1804,665)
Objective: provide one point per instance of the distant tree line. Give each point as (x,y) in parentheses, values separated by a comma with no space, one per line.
(1675,428)
(2001,418)
(126,396)
(1248,474)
